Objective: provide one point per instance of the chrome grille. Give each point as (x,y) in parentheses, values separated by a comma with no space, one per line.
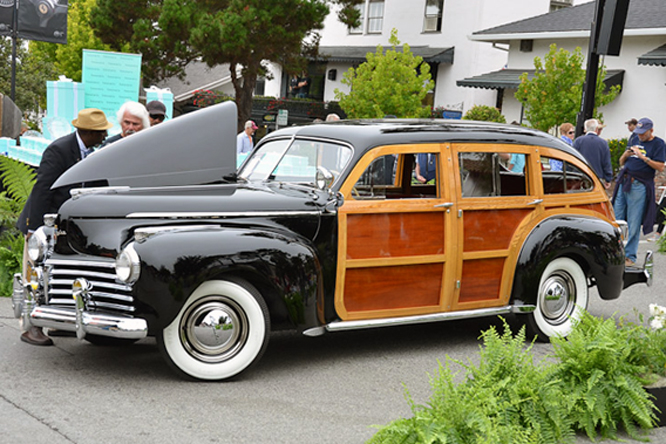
(107,293)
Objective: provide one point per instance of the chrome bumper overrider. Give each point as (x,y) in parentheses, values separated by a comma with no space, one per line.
(76,319)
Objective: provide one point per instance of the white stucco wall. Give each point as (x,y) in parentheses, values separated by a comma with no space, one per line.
(643,91)
(460,19)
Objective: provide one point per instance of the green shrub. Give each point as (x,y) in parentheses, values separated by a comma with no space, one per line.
(617,148)
(600,368)
(485,114)
(506,398)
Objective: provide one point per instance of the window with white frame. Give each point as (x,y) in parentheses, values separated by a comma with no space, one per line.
(433,16)
(371,17)
(375,16)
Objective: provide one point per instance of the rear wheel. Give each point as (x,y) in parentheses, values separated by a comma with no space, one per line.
(222,329)
(562,296)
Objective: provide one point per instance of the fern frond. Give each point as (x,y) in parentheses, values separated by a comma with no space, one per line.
(18,179)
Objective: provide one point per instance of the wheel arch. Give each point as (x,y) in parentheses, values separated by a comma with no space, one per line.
(595,245)
(283,267)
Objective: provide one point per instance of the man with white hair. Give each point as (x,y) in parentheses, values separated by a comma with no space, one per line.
(595,150)
(133,117)
(244,142)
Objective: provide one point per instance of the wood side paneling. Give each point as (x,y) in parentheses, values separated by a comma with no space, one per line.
(481,279)
(491,230)
(394,234)
(389,288)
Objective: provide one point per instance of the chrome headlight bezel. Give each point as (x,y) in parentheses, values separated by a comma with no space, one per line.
(128,265)
(38,245)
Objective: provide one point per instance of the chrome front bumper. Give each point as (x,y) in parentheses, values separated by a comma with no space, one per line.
(77,319)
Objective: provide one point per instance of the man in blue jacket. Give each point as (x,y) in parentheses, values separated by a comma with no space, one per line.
(595,150)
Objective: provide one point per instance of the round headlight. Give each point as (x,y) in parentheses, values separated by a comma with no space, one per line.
(38,245)
(128,265)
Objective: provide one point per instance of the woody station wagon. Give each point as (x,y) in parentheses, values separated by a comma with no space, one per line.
(323,228)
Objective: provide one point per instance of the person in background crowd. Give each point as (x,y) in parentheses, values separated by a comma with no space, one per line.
(567,132)
(633,199)
(303,85)
(293,86)
(91,126)
(332,117)
(595,150)
(244,142)
(631,126)
(133,117)
(156,112)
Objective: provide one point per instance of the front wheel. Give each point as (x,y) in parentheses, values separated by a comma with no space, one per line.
(563,295)
(222,329)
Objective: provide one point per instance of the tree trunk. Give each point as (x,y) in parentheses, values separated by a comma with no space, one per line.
(243,87)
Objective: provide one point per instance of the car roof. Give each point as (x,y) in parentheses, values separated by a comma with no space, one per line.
(367,134)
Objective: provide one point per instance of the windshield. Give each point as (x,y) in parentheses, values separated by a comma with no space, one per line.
(294,161)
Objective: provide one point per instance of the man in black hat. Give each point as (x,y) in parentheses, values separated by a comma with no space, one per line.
(156,112)
(633,199)
(91,126)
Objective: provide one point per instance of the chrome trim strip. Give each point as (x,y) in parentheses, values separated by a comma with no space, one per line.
(97,274)
(217,215)
(80,263)
(98,190)
(419,319)
(96,284)
(143,233)
(122,327)
(97,294)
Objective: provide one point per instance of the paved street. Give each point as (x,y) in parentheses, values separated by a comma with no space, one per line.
(329,389)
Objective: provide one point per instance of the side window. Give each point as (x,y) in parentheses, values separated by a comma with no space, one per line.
(561,177)
(492,174)
(399,176)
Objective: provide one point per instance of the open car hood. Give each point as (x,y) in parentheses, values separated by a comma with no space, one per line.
(196,148)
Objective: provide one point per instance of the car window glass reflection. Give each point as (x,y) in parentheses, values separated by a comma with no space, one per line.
(492,174)
(295,163)
(561,177)
(403,176)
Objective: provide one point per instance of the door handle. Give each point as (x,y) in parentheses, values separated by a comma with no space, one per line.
(444,205)
(535,202)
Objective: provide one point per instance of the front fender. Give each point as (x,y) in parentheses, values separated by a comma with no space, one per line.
(595,244)
(284,268)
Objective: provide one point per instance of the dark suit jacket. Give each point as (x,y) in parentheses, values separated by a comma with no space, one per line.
(595,150)
(57,158)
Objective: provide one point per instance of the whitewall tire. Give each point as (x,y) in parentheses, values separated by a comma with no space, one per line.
(562,296)
(222,329)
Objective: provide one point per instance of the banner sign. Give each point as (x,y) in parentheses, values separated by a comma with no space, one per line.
(43,20)
(110,79)
(6,16)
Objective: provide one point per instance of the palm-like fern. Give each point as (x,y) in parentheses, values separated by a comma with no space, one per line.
(18,180)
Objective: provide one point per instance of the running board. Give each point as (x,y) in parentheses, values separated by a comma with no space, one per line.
(419,319)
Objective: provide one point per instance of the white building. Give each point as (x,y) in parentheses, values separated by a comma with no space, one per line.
(638,68)
(438,30)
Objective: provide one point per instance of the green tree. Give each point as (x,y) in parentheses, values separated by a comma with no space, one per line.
(554,94)
(241,33)
(31,75)
(68,58)
(388,83)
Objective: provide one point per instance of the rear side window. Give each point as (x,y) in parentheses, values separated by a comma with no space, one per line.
(493,174)
(561,177)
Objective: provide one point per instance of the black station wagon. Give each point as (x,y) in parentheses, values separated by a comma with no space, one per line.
(323,228)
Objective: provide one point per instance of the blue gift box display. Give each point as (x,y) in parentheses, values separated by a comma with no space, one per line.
(162,95)
(64,99)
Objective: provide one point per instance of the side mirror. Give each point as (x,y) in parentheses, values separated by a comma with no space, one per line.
(324,178)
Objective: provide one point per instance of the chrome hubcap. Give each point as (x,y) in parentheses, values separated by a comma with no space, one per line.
(214,330)
(557,297)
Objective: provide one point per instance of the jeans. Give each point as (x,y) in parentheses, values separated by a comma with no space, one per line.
(630,207)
